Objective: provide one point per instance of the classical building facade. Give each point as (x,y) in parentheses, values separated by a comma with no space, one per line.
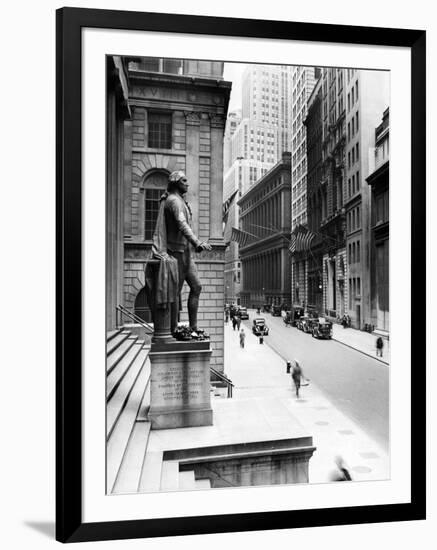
(253,146)
(378,181)
(178,111)
(118,115)
(266,259)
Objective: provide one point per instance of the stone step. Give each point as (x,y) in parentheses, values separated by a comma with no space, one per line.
(150,480)
(120,369)
(112,333)
(122,428)
(121,396)
(128,477)
(187,481)
(113,344)
(145,404)
(170,475)
(116,356)
(203,484)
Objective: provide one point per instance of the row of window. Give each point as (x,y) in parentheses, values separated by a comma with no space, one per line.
(354,219)
(353,155)
(354,290)
(354,252)
(352,96)
(353,126)
(353,184)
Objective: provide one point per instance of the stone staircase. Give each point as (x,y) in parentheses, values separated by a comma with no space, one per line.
(130,468)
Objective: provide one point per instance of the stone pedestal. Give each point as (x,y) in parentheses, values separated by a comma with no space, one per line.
(180,385)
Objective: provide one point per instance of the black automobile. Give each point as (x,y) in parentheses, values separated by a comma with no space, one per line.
(322,329)
(242,313)
(259,327)
(301,322)
(276,311)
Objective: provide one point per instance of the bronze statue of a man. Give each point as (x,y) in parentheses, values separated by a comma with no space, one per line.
(172,242)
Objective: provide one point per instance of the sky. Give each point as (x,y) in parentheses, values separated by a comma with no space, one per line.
(233,72)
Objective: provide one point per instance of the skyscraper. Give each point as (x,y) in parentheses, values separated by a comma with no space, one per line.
(303,81)
(254,145)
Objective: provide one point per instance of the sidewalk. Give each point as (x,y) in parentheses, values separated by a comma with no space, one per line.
(361,341)
(260,378)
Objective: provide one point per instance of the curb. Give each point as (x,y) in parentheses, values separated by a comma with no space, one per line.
(363,352)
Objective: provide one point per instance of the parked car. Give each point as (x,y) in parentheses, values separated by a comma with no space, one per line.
(322,329)
(295,314)
(300,322)
(307,324)
(242,312)
(259,327)
(276,311)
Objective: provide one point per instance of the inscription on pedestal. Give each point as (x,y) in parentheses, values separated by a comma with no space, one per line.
(180,388)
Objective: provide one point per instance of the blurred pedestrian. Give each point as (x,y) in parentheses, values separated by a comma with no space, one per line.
(242,338)
(226,317)
(379,346)
(238,322)
(261,338)
(234,322)
(341,473)
(296,375)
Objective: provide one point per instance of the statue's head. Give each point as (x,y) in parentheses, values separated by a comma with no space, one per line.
(177,181)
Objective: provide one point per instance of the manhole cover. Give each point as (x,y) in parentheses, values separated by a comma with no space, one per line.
(345,432)
(369,455)
(361,469)
(322,423)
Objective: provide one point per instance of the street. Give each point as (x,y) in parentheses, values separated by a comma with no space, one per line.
(356,384)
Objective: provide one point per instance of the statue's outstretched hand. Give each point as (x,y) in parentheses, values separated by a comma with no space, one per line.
(204,246)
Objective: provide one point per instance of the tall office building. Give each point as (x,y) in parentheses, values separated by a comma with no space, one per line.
(367,97)
(303,81)
(266,100)
(253,145)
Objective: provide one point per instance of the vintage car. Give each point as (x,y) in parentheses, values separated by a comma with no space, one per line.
(242,313)
(259,327)
(300,323)
(294,315)
(276,311)
(322,329)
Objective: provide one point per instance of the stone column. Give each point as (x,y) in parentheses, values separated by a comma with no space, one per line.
(192,123)
(216,186)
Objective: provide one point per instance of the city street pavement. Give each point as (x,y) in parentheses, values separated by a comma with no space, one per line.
(259,375)
(355,383)
(361,341)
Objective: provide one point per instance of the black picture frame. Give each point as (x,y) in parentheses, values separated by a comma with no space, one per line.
(69,524)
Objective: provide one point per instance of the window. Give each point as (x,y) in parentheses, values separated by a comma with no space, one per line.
(358,252)
(159,130)
(357,152)
(356,120)
(155,185)
(356,89)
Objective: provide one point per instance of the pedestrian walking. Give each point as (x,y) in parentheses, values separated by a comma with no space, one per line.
(234,322)
(226,317)
(238,322)
(341,473)
(296,376)
(379,346)
(242,338)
